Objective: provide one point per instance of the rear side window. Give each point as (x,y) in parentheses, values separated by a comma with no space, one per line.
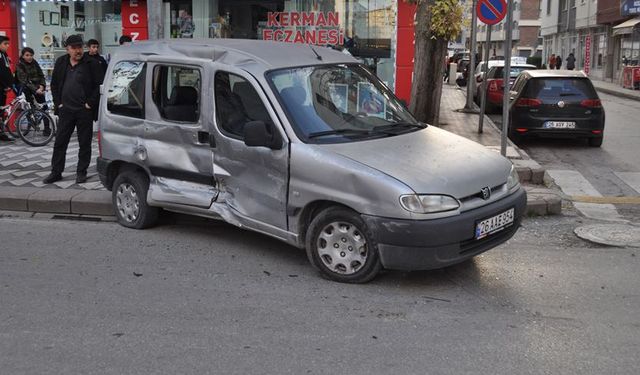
(125,96)
(237,102)
(176,92)
(576,88)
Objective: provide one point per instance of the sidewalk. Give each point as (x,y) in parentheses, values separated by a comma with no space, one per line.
(616,90)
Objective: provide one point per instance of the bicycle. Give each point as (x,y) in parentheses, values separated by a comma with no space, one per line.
(30,123)
(31,128)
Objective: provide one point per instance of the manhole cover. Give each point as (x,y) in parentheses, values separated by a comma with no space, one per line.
(610,234)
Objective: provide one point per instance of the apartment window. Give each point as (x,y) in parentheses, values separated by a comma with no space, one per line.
(549,7)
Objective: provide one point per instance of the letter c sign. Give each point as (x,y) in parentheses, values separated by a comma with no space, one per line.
(134,18)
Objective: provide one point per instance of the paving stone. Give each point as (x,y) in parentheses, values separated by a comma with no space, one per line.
(14,198)
(92,202)
(52,200)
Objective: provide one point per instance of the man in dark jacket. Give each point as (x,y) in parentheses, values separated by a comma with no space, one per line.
(94,53)
(6,78)
(30,79)
(571,62)
(75,87)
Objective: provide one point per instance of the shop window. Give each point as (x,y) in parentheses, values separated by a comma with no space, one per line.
(126,93)
(237,102)
(176,92)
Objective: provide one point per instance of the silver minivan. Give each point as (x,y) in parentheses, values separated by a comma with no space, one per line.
(300,143)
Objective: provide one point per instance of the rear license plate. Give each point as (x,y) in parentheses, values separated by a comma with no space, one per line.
(494,224)
(559,125)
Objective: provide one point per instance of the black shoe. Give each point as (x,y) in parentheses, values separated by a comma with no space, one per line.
(81,177)
(52,177)
(46,132)
(6,138)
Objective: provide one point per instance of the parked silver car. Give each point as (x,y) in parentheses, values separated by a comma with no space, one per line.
(300,143)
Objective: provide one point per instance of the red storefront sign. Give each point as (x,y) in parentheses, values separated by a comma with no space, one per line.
(587,54)
(405,47)
(134,19)
(304,27)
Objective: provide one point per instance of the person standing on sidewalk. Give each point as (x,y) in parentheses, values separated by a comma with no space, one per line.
(571,62)
(75,87)
(558,62)
(6,78)
(30,78)
(552,62)
(94,53)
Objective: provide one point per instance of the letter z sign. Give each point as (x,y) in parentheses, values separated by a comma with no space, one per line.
(491,11)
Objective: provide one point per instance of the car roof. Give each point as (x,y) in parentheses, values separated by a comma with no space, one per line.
(254,55)
(556,73)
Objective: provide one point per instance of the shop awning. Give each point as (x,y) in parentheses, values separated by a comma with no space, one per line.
(626,27)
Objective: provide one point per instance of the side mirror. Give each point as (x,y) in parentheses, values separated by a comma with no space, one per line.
(260,134)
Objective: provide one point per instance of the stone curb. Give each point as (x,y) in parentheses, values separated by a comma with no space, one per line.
(97,204)
(620,94)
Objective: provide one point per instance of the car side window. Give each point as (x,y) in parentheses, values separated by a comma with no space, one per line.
(176,92)
(237,102)
(125,95)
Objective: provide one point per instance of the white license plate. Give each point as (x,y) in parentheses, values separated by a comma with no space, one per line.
(494,224)
(559,125)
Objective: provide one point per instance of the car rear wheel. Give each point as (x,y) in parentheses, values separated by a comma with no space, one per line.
(129,197)
(339,244)
(595,142)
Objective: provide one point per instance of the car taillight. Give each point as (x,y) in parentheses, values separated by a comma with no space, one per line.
(591,103)
(528,102)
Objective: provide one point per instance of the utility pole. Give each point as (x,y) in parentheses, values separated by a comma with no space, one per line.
(507,76)
(472,57)
(154,14)
(483,96)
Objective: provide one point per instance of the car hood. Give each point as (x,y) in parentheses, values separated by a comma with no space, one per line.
(431,161)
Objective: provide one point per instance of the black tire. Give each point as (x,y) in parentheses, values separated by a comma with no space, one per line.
(364,265)
(595,142)
(30,127)
(129,196)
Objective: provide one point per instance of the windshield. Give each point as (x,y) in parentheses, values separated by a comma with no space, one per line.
(340,103)
(514,71)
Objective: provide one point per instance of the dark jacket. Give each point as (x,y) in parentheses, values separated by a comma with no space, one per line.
(92,79)
(103,63)
(571,62)
(30,75)
(6,77)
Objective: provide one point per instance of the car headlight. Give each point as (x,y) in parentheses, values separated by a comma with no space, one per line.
(427,204)
(513,180)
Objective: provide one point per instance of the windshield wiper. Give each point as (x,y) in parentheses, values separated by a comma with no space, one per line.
(568,94)
(339,132)
(402,126)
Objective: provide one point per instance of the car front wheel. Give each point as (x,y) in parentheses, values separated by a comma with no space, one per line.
(339,245)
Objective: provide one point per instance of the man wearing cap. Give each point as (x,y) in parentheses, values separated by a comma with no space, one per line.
(75,87)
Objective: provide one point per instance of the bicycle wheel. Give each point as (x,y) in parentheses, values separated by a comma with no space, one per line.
(31,127)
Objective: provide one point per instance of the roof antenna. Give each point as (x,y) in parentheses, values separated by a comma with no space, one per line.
(314,51)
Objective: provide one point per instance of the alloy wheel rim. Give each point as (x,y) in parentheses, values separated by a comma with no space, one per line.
(127,202)
(342,248)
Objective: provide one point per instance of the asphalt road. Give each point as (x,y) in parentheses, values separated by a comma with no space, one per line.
(78,297)
(619,152)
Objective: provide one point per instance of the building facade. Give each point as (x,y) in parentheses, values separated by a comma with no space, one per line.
(525,32)
(379,33)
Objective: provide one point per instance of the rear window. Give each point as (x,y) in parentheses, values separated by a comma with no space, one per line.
(560,87)
(513,72)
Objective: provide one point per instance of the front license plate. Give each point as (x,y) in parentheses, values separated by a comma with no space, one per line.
(494,224)
(559,125)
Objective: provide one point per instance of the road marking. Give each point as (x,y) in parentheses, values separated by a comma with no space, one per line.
(630,178)
(573,183)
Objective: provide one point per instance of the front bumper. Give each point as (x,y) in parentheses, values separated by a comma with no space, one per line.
(428,244)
